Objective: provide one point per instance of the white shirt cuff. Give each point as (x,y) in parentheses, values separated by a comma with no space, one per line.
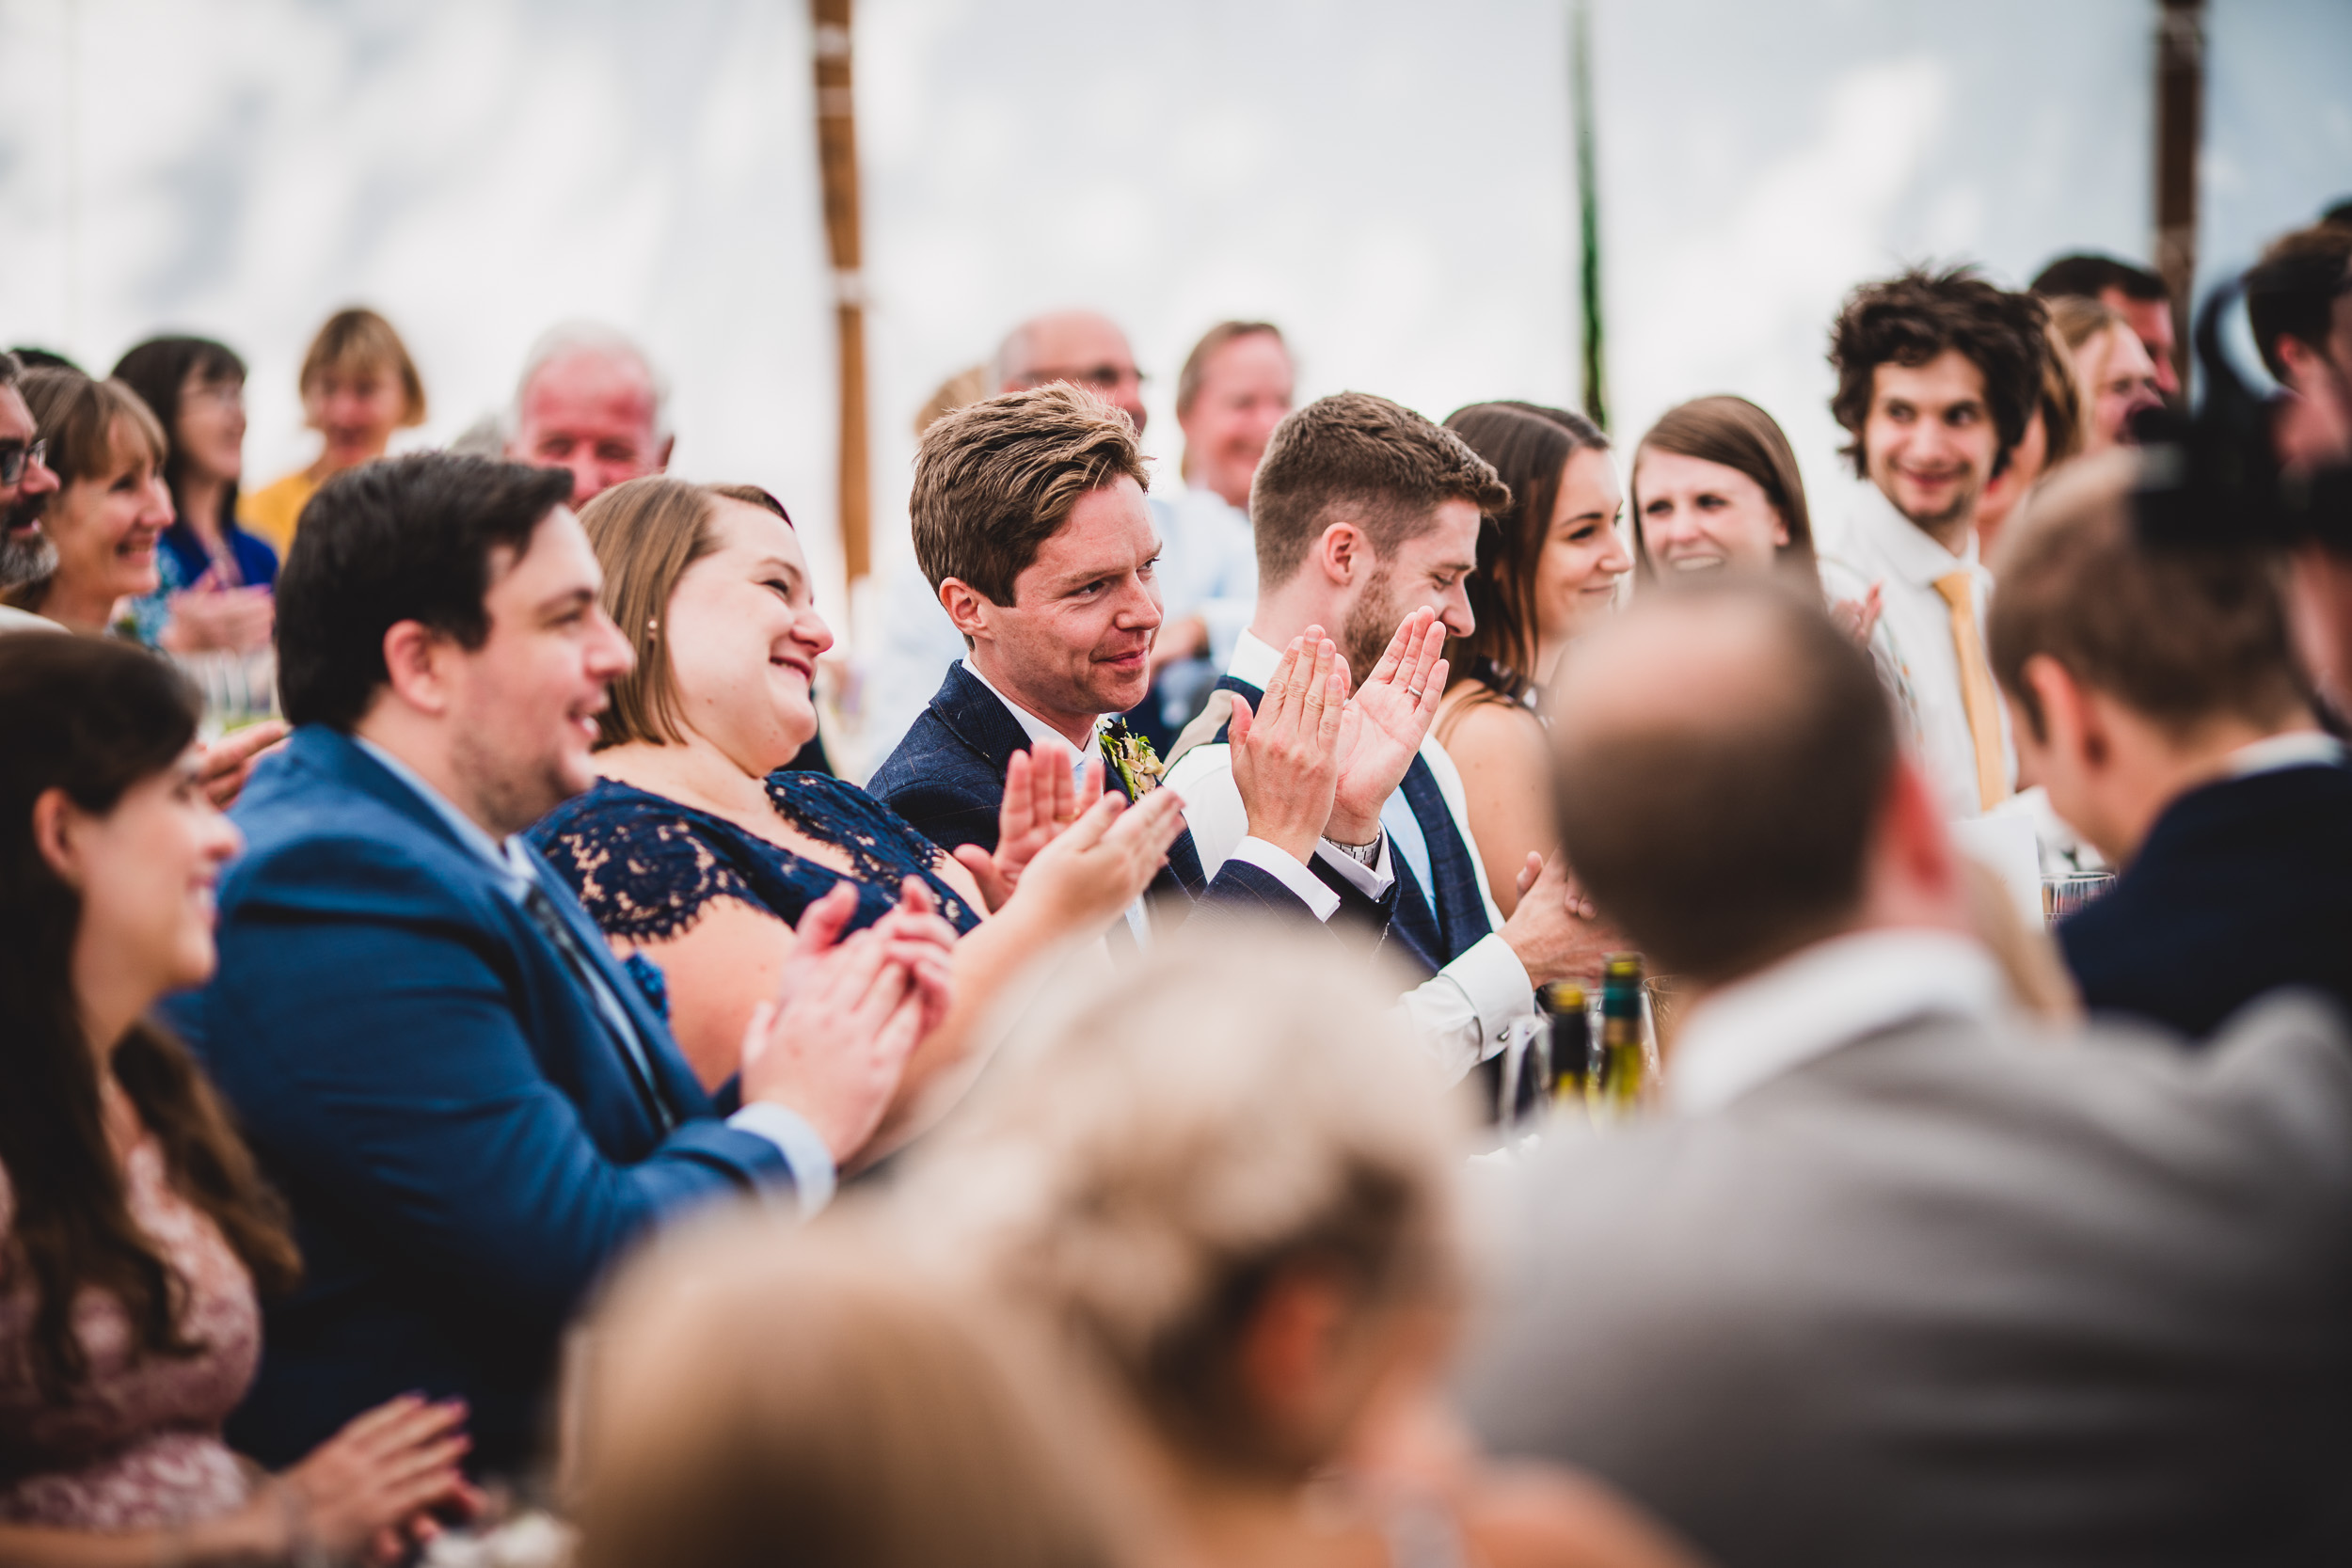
(813,1177)
(1496,986)
(1291,872)
(1371,881)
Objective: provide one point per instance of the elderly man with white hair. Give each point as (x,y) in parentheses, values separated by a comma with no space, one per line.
(591,400)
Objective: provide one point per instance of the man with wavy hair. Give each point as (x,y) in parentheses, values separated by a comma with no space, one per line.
(1937,375)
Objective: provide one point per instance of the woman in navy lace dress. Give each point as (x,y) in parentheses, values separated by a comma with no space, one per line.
(696,853)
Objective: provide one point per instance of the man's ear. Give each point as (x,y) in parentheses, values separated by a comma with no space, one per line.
(965,606)
(1343,552)
(661,458)
(2071,725)
(416,665)
(1289,1341)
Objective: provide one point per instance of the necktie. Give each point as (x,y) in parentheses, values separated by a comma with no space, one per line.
(1976,689)
(558,933)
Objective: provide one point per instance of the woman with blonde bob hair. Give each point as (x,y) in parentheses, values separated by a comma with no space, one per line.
(1231,1207)
(699,851)
(757,1394)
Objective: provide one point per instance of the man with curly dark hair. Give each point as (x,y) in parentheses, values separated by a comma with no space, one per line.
(1937,374)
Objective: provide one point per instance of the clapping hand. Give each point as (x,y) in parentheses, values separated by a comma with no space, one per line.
(1041,799)
(208,616)
(833,1046)
(1859,618)
(1385,724)
(1286,757)
(1087,875)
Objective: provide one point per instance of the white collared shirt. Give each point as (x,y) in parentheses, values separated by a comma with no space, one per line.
(1253,851)
(1913,637)
(814,1174)
(2278,753)
(1463,1013)
(1821,998)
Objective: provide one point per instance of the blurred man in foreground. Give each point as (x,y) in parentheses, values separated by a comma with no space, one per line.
(591,402)
(1890,1279)
(2157,697)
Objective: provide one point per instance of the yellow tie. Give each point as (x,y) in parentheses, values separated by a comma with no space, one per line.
(1976,689)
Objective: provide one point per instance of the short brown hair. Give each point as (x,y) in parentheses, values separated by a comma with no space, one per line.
(996,479)
(1723,840)
(2179,634)
(1529,445)
(358,340)
(1362,459)
(1911,320)
(2062,405)
(2292,292)
(646,532)
(1737,434)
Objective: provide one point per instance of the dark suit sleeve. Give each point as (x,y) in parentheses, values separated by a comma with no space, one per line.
(375,1055)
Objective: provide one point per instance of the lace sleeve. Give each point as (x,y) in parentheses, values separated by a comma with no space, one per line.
(883,846)
(643,874)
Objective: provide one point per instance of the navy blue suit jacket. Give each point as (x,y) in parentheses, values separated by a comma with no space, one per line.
(948,779)
(461,1140)
(2243,885)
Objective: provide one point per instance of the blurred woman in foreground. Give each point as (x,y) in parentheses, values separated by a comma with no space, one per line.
(1545,567)
(1230,1209)
(134,1226)
(762,1394)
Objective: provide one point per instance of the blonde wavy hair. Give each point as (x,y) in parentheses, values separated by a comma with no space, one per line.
(1244,1102)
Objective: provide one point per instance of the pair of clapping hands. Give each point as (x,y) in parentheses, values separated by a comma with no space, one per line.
(849,1012)
(1313,762)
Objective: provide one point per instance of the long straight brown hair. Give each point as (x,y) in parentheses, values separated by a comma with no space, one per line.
(1738,435)
(1530,445)
(93,717)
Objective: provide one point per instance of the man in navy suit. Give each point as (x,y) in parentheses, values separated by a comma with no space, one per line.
(1367,518)
(2155,696)
(471,1108)
(1030,519)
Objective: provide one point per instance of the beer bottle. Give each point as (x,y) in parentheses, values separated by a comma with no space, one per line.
(1571,1038)
(1620,1075)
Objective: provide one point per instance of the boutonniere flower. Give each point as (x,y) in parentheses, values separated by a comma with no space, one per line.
(1130,755)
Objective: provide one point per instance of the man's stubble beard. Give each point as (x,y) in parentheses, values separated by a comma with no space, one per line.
(1371,624)
(30,558)
(508,794)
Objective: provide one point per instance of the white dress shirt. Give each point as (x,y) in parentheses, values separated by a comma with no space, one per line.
(813,1176)
(1913,641)
(1464,1011)
(1821,998)
(2295,749)
(13,619)
(1275,862)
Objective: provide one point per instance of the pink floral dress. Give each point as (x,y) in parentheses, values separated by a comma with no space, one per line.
(137,1446)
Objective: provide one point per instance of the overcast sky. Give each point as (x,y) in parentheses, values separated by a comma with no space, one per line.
(1390,182)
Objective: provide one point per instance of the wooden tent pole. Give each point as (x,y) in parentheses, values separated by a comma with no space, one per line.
(837,149)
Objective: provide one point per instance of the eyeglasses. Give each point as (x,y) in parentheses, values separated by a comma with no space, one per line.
(14,455)
(1103,378)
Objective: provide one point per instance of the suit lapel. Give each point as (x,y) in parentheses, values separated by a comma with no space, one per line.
(976,717)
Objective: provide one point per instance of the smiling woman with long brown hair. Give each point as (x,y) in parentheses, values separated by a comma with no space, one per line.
(134,1226)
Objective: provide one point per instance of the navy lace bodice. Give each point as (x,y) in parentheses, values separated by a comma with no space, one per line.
(644,866)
